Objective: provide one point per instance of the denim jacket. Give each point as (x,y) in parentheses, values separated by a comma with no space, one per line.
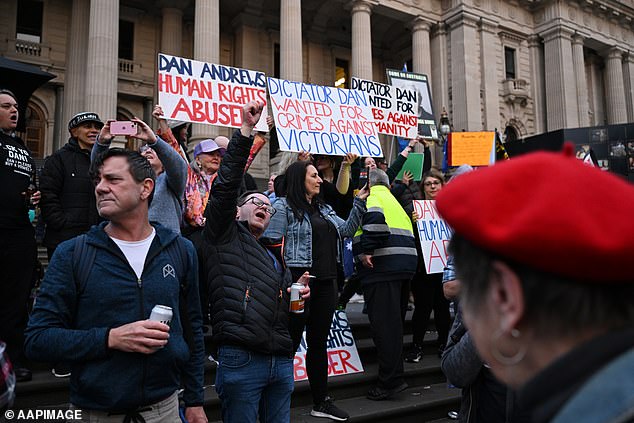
(298,242)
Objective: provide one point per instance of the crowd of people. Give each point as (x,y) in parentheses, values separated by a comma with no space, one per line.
(127,231)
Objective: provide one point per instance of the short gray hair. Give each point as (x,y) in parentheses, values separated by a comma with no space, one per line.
(378,177)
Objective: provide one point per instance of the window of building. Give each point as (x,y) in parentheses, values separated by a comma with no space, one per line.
(509,62)
(29,20)
(276,61)
(126,40)
(341,73)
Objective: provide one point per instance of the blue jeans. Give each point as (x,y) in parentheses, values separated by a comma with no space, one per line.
(249,383)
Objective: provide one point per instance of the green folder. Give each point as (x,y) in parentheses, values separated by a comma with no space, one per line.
(414,164)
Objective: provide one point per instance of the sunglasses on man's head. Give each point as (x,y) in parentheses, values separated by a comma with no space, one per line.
(259,203)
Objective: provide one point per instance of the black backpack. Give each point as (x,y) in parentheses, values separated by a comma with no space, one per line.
(84,257)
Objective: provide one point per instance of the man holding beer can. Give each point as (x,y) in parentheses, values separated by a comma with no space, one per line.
(94,306)
(249,293)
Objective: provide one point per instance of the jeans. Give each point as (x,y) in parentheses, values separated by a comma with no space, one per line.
(250,383)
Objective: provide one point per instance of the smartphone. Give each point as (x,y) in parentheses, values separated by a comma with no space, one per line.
(363,177)
(123,127)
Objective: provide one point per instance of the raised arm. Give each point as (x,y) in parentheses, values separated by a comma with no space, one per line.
(221,208)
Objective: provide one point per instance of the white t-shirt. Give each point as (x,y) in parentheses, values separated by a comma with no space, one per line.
(136,251)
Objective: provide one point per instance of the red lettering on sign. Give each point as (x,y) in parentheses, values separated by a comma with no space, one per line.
(299,368)
(434,253)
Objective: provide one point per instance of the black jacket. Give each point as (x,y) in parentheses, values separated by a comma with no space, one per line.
(68,195)
(248,298)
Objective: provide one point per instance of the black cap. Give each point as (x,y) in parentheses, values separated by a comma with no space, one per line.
(82,117)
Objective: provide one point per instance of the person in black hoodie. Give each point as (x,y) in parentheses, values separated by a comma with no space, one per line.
(18,252)
(68,195)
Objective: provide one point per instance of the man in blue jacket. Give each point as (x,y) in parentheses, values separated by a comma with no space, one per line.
(124,366)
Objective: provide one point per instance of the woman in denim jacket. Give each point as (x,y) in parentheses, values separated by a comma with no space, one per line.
(312,232)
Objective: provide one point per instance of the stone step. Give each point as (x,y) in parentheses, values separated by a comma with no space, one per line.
(416,404)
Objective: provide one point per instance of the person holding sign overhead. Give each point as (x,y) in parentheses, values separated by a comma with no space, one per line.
(313,232)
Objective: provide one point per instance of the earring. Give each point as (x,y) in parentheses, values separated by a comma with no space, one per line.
(501,357)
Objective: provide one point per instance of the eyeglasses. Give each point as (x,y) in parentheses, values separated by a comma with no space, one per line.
(144,148)
(260,204)
(428,184)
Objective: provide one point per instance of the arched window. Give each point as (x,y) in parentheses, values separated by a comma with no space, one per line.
(510,134)
(35,130)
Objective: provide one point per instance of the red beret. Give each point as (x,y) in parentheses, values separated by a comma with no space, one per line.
(547,211)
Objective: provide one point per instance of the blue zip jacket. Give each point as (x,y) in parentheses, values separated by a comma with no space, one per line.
(69,326)
(298,234)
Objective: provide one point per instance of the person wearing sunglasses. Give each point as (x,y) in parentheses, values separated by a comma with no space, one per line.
(249,293)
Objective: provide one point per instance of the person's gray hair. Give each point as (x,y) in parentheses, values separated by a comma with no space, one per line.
(378,177)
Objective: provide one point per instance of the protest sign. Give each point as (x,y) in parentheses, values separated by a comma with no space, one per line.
(323,120)
(419,83)
(414,165)
(343,358)
(200,92)
(472,148)
(394,109)
(434,235)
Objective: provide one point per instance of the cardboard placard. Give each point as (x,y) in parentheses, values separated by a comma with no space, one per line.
(472,148)
(200,92)
(323,120)
(394,108)
(343,358)
(434,234)
(424,110)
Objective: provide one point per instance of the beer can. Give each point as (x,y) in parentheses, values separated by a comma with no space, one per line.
(297,302)
(161,313)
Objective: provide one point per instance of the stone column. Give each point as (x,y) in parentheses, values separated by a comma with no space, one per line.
(465,76)
(103,62)
(206,49)
(561,98)
(537,82)
(490,82)
(440,72)
(75,75)
(291,56)
(628,75)
(580,80)
(614,87)
(60,126)
(421,51)
(361,65)
(172,31)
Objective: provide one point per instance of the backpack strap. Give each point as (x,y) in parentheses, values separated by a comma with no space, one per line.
(83,259)
(178,255)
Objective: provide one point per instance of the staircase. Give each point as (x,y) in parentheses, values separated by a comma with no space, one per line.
(428,398)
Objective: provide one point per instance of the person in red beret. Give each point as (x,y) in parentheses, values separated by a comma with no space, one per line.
(547,291)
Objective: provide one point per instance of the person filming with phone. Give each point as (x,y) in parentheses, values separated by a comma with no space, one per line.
(166,207)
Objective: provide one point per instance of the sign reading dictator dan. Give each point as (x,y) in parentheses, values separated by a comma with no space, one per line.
(200,92)
(394,109)
(323,120)
(343,358)
(434,237)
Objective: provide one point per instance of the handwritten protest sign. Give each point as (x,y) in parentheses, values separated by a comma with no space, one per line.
(323,120)
(434,235)
(200,92)
(394,108)
(343,358)
(472,148)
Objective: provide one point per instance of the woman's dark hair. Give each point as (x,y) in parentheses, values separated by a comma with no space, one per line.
(279,185)
(296,189)
(553,305)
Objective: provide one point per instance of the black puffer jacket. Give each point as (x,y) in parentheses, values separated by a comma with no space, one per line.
(248,298)
(68,195)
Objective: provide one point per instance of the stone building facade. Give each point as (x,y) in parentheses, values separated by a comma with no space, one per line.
(522,66)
